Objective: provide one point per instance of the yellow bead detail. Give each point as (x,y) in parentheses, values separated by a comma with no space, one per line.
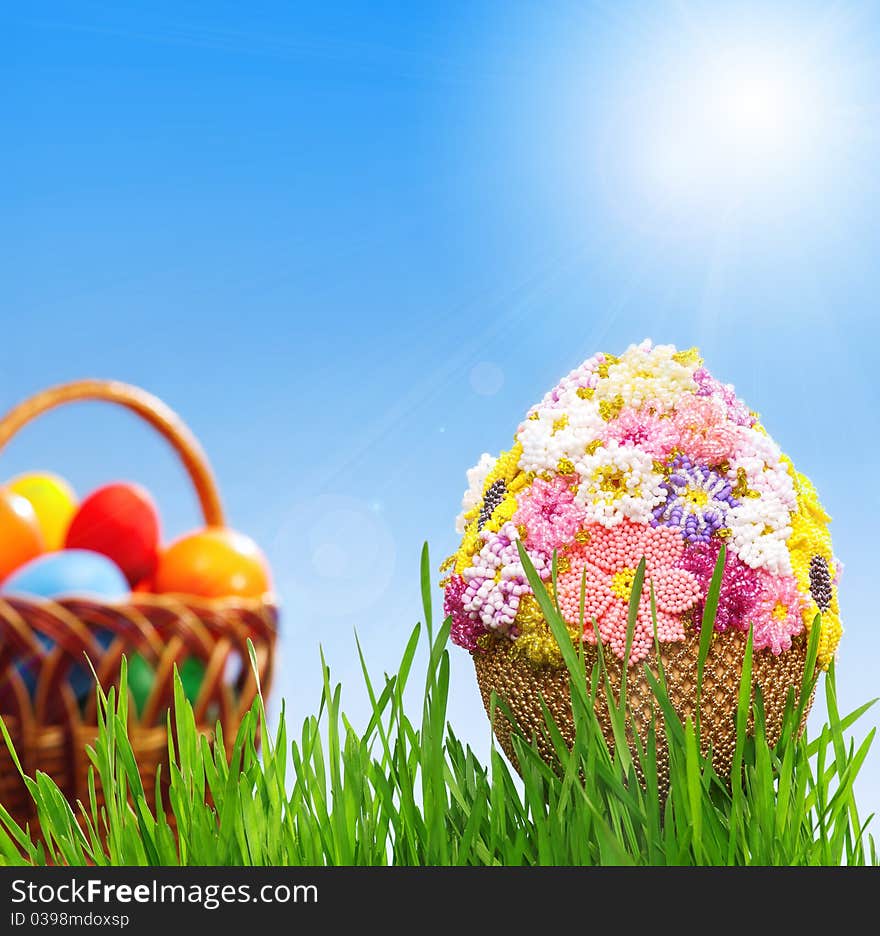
(810,537)
(687,358)
(610,409)
(697,496)
(611,480)
(535,642)
(602,369)
(486,641)
(741,489)
(622,583)
(522,480)
(780,612)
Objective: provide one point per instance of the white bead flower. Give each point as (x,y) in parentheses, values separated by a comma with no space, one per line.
(618,482)
(756,444)
(766,478)
(759,529)
(561,431)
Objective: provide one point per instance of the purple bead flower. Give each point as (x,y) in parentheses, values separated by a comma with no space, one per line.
(697,500)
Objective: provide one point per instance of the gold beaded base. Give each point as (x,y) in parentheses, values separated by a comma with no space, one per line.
(522,685)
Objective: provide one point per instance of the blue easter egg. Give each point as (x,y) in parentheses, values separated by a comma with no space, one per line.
(70,573)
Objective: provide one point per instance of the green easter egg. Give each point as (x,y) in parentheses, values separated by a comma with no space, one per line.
(140,681)
(192,672)
(141,676)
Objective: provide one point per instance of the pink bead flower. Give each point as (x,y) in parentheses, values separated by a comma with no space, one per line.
(549,514)
(704,432)
(740,585)
(644,429)
(607,564)
(777,616)
(707,385)
(466,626)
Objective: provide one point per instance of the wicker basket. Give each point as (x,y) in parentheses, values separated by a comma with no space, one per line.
(48,726)
(523,685)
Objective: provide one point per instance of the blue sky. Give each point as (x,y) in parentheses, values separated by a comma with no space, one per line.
(352,245)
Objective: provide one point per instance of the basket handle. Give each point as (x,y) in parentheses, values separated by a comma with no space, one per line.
(150,408)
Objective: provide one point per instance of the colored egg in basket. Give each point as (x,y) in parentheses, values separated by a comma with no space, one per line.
(213,563)
(21,538)
(71,573)
(112,540)
(119,521)
(54,504)
(141,676)
(645,455)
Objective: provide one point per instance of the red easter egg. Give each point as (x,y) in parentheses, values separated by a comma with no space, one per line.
(214,563)
(119,521)
(21,538)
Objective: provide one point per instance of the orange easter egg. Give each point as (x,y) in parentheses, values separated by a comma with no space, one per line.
(21,538)
(213,563)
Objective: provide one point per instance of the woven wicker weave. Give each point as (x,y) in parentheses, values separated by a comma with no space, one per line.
(522,686)
(48,726)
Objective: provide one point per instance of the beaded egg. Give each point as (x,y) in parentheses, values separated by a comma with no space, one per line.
(645,456)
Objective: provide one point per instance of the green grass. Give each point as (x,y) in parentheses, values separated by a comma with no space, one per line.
(405,790)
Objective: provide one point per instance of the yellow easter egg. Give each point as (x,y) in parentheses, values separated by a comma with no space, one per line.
(54,503)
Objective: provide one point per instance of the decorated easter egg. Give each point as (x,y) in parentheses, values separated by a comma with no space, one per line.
(21,538)
(54,503)
(141,676)
(213,563)
(71,573)
(119,521)
(642,455)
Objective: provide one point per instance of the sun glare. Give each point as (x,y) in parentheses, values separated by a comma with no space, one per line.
(768,110)
(714,126)
(732,125)
(757,108)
